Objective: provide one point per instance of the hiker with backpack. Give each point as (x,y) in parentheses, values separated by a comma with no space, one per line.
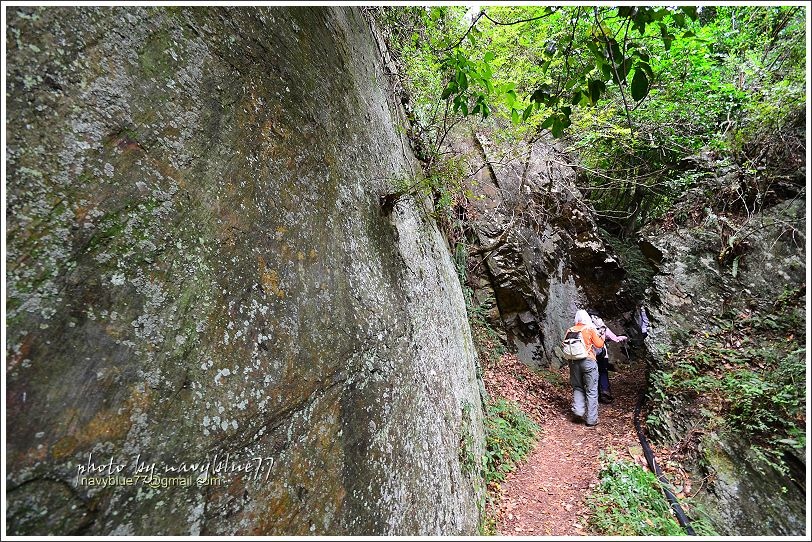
(578,349)
(602,358)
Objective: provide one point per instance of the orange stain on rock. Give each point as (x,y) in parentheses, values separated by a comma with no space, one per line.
(269,279)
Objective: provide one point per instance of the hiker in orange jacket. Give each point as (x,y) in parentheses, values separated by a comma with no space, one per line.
(584,372)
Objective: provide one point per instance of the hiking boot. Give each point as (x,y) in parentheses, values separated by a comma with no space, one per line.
(591,425)
(576,418)
(605,398)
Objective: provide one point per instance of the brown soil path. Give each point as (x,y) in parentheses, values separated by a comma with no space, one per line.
(545,495)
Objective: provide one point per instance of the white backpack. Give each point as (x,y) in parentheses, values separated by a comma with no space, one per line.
(573,346)
(597,321)
(599,325)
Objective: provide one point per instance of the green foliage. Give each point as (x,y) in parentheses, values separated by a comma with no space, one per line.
(750,374)
(444,183)
(713,90)
(509,437)
(489,345)
(629,502)
(469,83)
(634,89)
(575,52)
(488,526)
(609,36)
(566,57)
(461,265)
(427,42)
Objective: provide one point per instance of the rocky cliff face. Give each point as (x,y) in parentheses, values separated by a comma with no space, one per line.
(743,495)
(198,270)
(540,256)
(541,247)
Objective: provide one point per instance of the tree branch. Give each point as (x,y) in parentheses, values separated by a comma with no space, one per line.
(473,24)
(614,69)
(516,22)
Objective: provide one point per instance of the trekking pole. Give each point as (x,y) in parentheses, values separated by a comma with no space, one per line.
(626,350)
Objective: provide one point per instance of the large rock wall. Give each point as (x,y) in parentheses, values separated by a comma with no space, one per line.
(743,497)
(537,233)
(198,265)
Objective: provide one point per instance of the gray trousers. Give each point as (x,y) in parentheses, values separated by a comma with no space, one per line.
(584,382)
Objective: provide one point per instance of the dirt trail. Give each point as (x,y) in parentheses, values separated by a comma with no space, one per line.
(545,495)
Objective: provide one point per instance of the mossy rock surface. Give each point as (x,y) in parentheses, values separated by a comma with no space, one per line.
(746,495)
(198,265)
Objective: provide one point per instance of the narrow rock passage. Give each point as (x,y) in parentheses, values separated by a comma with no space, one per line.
(545,495)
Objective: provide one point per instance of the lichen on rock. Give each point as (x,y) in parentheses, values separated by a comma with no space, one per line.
(197,265)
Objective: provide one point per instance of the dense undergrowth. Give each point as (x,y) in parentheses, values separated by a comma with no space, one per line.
(509,437)
(629,502)
(746,376)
